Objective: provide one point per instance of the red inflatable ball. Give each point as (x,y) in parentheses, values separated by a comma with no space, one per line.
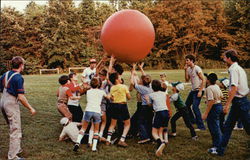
(128,35)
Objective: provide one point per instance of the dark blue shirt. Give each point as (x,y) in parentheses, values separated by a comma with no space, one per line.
(15,85)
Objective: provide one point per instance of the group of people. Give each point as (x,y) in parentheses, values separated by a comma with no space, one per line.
(150,121)
(106,114)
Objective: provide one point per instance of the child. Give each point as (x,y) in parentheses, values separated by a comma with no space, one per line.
(119,109)
(182,110)
(145,114)
(224,84)
(64,94)
(74,105)
(213,111)
(165,83)
(104,87)
(161,116)
(70,130)
(92,111)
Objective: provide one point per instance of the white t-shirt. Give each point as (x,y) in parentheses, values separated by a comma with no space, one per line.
(158,99)
(238,78)
(88,73)
(213,92)
(94,99)
(71,130)
(193,74)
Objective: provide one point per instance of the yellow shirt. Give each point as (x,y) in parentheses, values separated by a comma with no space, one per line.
(119,92)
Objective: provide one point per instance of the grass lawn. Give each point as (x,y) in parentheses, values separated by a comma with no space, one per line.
(40,133)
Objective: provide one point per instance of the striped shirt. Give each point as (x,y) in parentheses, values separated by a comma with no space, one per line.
(225,96)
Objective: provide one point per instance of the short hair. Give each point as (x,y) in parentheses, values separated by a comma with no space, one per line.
(103,72)
(113,77)
(16,62)
(232,54)
(94,83)
(71,75)
(156,85)
(212,77)
(191,57)
(63,79)
(118,68)
(146,80)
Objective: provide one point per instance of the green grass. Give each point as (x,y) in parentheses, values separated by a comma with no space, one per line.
(40,133)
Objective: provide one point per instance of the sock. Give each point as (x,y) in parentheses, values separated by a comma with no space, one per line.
(165,135)
(91,133)
(95,140)
(123,138)
(109,136)
(80,136)
(101,134)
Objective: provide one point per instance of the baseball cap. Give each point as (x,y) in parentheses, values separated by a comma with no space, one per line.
(92,60)
(178,85)
(64,121)
(224,81)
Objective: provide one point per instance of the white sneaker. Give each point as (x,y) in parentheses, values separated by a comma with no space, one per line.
(160,149)
(17,158)
(212,150)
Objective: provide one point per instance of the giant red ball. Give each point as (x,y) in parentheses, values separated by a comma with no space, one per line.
(128,35)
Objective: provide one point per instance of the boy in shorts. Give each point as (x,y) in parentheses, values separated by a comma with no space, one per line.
(157,99)
(92,112)
(119,109)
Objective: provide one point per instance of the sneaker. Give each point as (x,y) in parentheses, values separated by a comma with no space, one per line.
(158,152)
(195,138)
(144,141)
(17,158)
(108,143)
(238,129)
(102,139)
(76,147)
(122,144)
(212,150)
(172,135)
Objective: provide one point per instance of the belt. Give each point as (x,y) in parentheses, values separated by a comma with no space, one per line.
(61,101)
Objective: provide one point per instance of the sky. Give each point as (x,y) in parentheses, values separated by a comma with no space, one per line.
(21,4)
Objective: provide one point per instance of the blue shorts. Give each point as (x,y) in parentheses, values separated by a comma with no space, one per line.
(119,111)
(88,116)
(161,119)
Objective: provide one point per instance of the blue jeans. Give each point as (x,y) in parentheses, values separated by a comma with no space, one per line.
(240,108)
(193,100)
(145,117)
(213,123)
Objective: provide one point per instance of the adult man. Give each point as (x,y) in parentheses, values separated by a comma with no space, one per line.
(11,84)
(194,73)
(89,72)
(238,91)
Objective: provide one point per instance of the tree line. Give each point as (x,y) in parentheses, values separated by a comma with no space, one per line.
(61,34)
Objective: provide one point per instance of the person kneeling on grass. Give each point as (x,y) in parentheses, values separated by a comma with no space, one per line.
(213,111)
(161,116)
(70,130)
(92,111)
(182,110)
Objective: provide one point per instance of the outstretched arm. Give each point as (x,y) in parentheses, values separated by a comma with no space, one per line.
(141,69)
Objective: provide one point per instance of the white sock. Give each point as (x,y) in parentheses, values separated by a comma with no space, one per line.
(165,136)
(100,134)
(109,136)
(91,133)
(80,136)
(95,140)
(123,138)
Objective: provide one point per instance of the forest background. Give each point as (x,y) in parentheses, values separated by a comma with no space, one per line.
(61,34)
